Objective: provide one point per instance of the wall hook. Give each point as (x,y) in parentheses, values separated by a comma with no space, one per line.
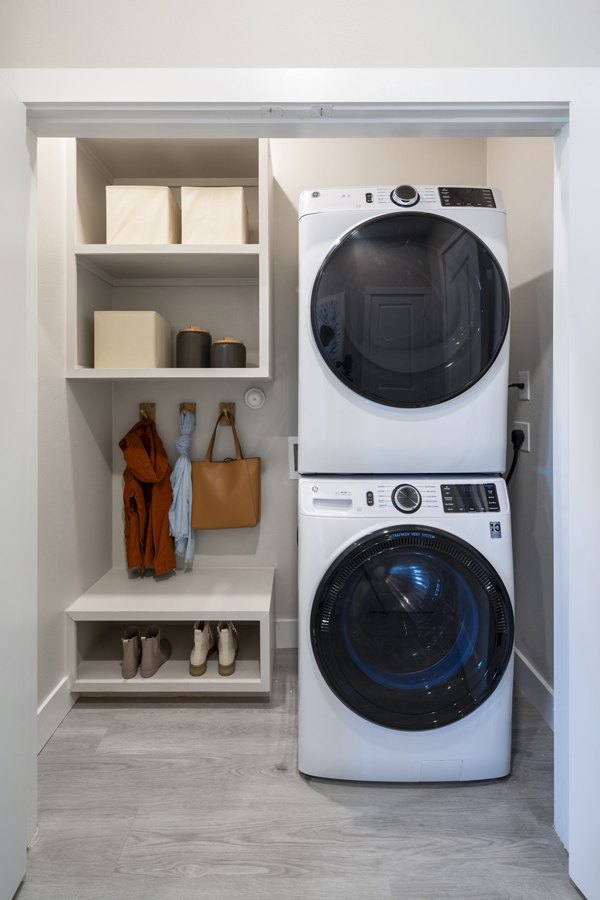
(147,411)
(228,409)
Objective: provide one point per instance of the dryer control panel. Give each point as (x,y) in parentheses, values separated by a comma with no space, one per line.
(402,497)
(394,198)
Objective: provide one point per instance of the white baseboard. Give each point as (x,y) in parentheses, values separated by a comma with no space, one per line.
(286,633)
(534,687)
(53,710)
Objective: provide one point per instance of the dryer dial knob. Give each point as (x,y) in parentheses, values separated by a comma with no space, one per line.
(405,195)
(406,498)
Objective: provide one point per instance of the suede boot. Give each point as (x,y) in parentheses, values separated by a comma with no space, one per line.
(204,646)
(227,643)
(154,651)
(132,651)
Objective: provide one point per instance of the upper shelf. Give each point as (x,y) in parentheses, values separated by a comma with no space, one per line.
(172,260)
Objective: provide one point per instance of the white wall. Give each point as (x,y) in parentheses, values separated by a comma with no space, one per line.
(18,454)
(313,33)
(75,454)
(524,168)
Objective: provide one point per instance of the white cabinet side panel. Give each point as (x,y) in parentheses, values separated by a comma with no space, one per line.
(17,525)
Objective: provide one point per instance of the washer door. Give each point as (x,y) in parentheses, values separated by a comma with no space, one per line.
(410,309)
(412,628)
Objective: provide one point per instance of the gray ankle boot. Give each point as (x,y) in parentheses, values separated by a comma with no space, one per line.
(132,650)
(154,651)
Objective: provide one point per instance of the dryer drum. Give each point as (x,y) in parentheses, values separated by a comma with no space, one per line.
(409,309)
(412,629)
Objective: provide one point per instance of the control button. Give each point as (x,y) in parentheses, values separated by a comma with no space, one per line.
(405,195)
(491,495)
(370,498)
(369,197)
(406,498)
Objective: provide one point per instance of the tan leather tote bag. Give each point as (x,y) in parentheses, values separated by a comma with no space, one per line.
(225,494)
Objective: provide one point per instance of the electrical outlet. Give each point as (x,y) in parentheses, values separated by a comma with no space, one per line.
(293,456)
(524,393)
(525,428)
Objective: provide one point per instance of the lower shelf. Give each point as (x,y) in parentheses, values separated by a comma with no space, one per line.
(96,622)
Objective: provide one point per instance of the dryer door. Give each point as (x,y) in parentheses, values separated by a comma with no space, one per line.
(412,628)
(409,309)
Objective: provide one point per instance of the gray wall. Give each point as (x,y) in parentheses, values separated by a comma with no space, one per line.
(525,170)
(312,33)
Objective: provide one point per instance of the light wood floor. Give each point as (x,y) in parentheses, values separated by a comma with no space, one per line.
(169,801)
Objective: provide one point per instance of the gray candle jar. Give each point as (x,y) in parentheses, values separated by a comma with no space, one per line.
(193,348)
(228,353)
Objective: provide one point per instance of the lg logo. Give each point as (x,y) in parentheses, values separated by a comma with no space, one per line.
(495,530)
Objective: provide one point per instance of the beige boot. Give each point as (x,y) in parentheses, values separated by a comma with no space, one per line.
(227,642)
(204,646)
(154,651)
(132,650)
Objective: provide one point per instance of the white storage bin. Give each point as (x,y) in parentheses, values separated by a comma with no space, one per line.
(141,214)
(128,339)
(213,215)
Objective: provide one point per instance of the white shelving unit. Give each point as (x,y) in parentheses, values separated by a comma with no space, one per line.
(97,619)
(187,283)
(225,289)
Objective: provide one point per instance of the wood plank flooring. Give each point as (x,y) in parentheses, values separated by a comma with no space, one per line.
(181,799)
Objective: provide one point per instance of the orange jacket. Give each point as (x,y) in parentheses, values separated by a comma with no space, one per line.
(147,497)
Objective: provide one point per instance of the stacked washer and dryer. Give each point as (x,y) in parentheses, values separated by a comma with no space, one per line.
(406,627)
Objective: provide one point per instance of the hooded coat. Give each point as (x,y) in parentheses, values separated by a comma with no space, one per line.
(147,497)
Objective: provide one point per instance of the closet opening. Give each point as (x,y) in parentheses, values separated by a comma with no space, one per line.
(84,416)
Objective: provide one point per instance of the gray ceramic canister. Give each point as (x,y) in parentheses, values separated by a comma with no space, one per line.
(193,348)
(228,353)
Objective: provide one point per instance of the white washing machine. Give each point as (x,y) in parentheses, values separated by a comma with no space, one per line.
(406,629)
(404,330)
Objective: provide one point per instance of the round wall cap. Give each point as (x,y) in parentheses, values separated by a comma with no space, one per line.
(254,398)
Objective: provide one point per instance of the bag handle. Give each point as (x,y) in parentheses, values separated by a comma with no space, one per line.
(236,440)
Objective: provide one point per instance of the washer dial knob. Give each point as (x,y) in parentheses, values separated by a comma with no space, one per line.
(406,498)
(405,195)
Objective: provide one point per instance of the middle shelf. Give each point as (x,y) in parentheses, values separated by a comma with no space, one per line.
(171,260)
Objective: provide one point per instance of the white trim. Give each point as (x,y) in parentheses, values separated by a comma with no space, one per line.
(561,431)
(286,634)
(53,710)
(296,102)
(312,88)
(535,688)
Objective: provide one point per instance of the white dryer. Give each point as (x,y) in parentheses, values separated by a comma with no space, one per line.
(406,629)
(404,330)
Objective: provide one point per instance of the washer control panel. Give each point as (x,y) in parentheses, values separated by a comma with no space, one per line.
(399,497)
(469,498)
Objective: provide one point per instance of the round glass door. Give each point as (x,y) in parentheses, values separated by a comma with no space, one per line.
(410,309)
(412,628)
